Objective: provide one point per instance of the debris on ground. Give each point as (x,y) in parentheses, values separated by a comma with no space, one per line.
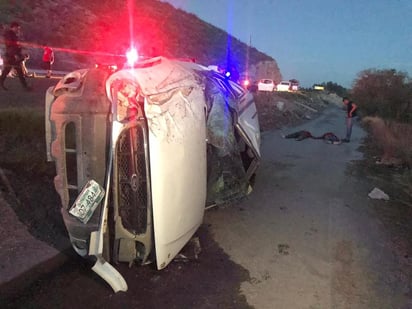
(378,194)
(390,162)
(283,249)
(189,252)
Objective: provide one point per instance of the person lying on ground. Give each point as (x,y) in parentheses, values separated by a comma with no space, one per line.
(299,135)
(328,137)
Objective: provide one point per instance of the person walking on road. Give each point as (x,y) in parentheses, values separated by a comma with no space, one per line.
(13,56)
(351,109)
(48,60)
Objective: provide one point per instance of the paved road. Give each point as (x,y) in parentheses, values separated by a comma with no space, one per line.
(307,235)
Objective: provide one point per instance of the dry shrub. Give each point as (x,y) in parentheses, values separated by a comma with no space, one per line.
(403,135)
(394,138)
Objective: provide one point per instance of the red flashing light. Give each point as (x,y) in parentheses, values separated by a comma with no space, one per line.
(132,56)
(246,82)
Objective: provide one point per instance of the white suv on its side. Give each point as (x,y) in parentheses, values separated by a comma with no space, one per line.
(111,134)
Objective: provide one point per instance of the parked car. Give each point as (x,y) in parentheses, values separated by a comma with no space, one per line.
(284,86)
(140,153)
(266,85)
(294,85)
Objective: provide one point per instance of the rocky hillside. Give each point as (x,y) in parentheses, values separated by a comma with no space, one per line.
(87,32)
(283,109)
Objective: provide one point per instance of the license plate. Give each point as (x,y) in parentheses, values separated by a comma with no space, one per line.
(87,201)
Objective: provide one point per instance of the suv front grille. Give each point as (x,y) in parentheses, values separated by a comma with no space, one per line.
(131,181)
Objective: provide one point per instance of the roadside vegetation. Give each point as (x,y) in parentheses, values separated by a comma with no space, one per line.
(384,98)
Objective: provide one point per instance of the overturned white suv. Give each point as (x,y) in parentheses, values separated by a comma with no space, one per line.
(142,152)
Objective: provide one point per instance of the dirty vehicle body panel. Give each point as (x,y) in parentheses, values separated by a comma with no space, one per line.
(164,140)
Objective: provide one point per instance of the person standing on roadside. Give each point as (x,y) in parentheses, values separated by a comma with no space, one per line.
(24,67)
(48,60)
(351,109)
(13,56)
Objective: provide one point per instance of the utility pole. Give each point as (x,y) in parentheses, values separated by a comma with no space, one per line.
(247,58)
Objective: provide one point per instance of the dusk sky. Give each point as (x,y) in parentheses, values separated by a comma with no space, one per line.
(317,41)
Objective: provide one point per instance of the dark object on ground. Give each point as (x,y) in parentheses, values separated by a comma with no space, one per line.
(328,137)
(299,135)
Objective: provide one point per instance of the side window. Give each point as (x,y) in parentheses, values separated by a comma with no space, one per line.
(230,87)
(237,89)
(71,160)
(222,83)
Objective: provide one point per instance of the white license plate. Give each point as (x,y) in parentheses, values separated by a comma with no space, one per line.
(87,201)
